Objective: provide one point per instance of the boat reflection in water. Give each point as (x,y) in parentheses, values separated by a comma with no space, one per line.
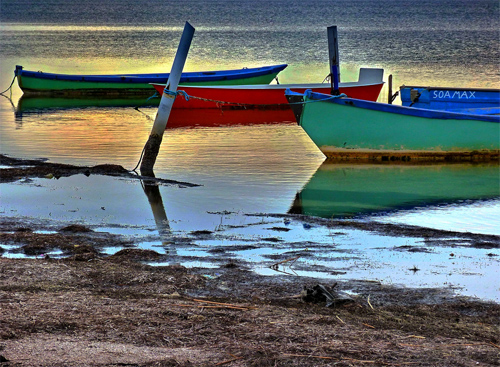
(341,190)
(228,116)
(30,104)
(225,115)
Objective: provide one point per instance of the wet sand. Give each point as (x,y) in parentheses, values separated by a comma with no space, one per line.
(90,309)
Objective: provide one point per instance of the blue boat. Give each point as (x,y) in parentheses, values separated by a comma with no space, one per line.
(42,83)
(465,100)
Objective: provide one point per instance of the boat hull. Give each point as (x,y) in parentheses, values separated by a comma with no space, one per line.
(40,83)
(478,100)
(351,129)
(368,87)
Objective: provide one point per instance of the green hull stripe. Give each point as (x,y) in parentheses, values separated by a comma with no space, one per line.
(39,86)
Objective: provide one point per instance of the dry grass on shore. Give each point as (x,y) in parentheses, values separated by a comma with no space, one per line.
(113,311)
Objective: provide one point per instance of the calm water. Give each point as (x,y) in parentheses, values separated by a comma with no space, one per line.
(259,168)
(443,42)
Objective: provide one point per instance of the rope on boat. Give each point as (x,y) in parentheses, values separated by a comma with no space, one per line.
(140,159)
(309,92)
(10,86)
(187,97)
(146,101)
(245,105)
(175,94)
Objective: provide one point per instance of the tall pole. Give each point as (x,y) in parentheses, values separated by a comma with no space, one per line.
(152,147)
(333,55)
(390,90)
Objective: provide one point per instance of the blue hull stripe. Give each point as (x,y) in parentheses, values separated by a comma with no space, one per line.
(202,76)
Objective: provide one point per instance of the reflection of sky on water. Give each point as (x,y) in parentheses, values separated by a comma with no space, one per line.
(479,217)
(105,202)
(96,200)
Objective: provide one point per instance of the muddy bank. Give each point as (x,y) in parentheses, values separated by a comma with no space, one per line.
(32,168)
(88,309)
(431,236)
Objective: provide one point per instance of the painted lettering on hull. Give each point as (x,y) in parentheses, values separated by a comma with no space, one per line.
(446,94)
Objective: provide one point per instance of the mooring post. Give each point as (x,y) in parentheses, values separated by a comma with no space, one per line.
(152,146)
(391,96)
(333,53)
(390,89)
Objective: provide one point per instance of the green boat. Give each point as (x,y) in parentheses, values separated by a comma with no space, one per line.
(351,129)
(42,83)
(339,190)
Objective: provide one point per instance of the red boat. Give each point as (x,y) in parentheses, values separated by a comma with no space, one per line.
(271,96)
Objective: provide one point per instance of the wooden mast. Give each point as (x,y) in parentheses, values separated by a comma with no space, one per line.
(333,53)
(152,146)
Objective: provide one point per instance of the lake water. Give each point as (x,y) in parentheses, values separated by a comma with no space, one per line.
(260,168)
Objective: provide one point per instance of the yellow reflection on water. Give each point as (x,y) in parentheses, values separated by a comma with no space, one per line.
(194,143)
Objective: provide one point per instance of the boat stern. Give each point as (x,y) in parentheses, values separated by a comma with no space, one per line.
(18,71)
(296,102)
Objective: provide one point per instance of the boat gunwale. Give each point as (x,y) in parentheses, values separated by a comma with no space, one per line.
(276,86)
(364,80)
(201,76)
(396,109)
(493,90)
